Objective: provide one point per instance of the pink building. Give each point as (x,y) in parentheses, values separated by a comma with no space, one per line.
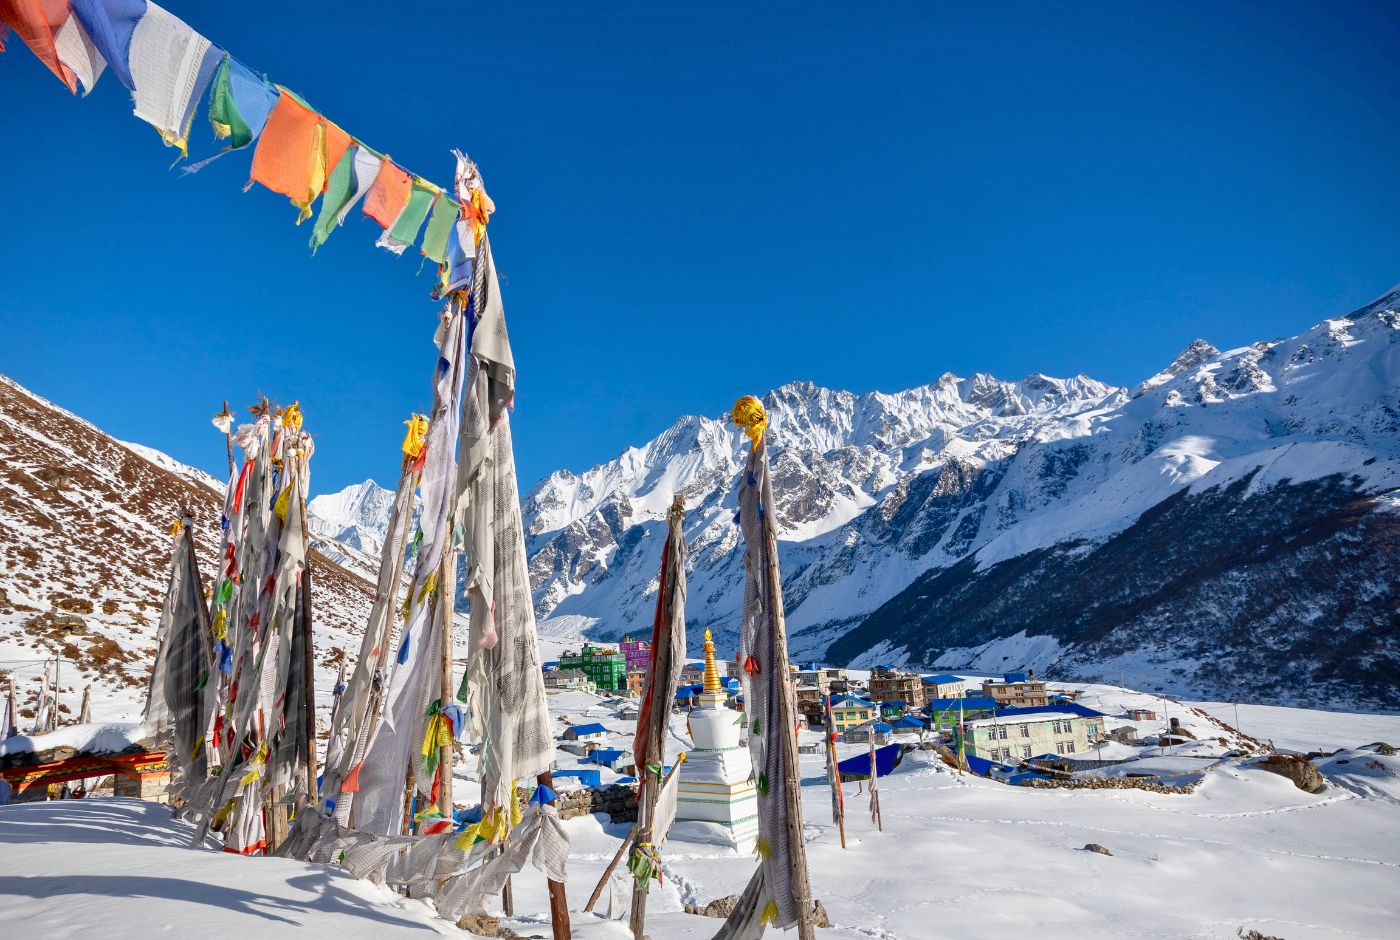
(638,653)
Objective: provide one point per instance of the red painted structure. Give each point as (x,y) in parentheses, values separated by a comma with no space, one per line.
(134,774)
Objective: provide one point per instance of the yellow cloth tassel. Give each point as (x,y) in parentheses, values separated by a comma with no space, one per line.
(291,415)
(219,629)
(317,183)
(749,415)
(417,436)
(429,586)
(176,528)
(769,915)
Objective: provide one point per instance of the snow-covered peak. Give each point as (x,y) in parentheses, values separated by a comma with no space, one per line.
(357,515)
(1189,358)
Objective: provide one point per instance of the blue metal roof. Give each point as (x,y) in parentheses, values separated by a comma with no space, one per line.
(838,699)
(881,728)
(887,758)
(1014,676)
(971,703)
(1083,711)
(593,728)
(943,678)
(589,778)
(606,756)
(908,721)
(981,766)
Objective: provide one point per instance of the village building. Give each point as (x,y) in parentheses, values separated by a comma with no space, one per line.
(891,710)
(862,734)
(908,724)
(589,733)
(1017,689)
(944,686)
(606,666)
(636,654)
(693,674)
(636,683)
(890,685)
(568,680)
(1019,737)
(716,783)
(1141,714)
(810,698)
(945,712)
(1095,722)
(848,711)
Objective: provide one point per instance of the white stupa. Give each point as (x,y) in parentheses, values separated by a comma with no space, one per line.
(716,798)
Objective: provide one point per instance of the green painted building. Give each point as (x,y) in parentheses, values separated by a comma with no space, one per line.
(606,666)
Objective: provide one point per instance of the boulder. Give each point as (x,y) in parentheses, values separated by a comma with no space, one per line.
(1300,770)
(1385,749)
(1095,847)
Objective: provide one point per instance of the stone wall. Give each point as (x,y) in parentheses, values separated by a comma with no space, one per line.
(618,801)
(1108,783)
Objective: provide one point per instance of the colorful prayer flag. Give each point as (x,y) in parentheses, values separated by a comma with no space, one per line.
(171,65)
(109,25)
(388,195)
(36,22)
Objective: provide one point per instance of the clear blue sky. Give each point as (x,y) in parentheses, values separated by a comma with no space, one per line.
(700,200)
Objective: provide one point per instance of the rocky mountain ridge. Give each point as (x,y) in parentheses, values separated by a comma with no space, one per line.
(1060,523)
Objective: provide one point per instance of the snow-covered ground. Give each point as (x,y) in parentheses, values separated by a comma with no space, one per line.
(959,856)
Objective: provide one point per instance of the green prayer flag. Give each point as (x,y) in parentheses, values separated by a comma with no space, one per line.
(223,113)
(445,212)
(410,220)
(340,189)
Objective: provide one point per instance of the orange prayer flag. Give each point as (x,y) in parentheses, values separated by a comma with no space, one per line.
(35,22)
(286,152)
(389,194)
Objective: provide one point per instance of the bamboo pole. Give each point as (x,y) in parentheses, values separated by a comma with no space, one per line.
(57,670)
(309,680)
(801,889)
(607,872)
(446,612)
(228,440)
(622,849)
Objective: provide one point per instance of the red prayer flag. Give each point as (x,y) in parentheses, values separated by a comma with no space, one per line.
(35,22)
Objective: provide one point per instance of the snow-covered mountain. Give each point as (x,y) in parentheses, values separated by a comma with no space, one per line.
(1227,527)
(85,555)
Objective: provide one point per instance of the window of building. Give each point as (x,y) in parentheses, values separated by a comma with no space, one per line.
(1026,732)
(1001,733)
(1025,750)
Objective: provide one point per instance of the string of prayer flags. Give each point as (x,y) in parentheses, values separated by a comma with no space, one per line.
(170,69)
(36,22)
(109,25)
(171,66)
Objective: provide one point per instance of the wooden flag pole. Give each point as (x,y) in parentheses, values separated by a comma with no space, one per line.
(558,901)
(445,611)
(801,889)
(308,655)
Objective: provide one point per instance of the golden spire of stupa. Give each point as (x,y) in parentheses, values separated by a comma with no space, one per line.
(711,671)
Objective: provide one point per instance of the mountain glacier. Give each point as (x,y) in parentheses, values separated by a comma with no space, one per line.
(1201,531)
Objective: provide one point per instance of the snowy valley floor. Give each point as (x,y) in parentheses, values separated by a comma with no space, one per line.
(960,857)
